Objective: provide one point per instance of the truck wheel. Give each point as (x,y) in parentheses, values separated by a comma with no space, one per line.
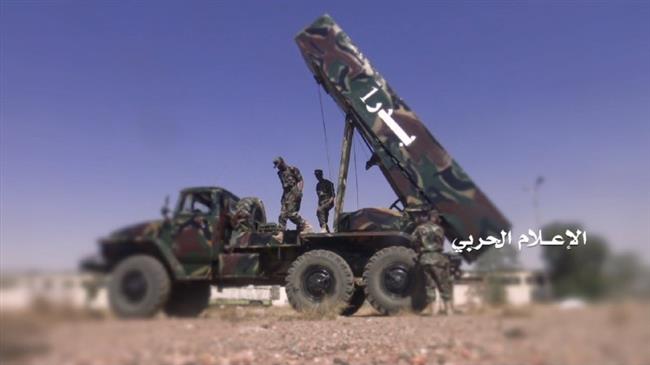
(138,287)
(356,302)
(188,299)
(394,282)
(319,281)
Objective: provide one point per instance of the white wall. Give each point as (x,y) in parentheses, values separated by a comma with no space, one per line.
(71,289)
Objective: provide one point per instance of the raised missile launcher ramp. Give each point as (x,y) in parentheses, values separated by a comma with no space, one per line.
(416,166)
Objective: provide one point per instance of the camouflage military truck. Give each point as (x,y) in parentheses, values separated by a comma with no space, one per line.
(215,238)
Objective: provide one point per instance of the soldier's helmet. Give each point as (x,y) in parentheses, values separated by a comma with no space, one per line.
(318,172)
(278,161)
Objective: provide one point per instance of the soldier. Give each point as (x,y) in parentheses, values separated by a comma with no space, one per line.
(429,238)
(292,185)
(240,220)
(325,192)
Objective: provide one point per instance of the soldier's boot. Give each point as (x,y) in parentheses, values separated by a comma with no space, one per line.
(432,307)
(448,308)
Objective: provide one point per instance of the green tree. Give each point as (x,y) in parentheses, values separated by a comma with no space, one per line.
(579,271)
(627,276)
(504,258)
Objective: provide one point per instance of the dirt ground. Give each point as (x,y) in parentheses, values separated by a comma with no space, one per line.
(605,334)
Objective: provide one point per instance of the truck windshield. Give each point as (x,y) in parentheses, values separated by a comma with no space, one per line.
(197,203)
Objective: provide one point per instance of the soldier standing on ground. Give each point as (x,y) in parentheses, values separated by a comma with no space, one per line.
(325,192)
(429,238)
(292,185)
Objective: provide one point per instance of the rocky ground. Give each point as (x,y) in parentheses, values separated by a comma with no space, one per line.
(605,334)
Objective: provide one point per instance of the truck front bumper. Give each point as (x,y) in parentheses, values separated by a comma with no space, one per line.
(94,263)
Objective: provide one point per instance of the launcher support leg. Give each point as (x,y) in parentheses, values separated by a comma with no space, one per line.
(348,134)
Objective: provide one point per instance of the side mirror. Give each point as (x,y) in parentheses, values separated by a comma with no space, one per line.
(165,208)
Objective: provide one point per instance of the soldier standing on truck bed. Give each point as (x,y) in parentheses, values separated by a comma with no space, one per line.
(326,194)
(292,184)
(429,238)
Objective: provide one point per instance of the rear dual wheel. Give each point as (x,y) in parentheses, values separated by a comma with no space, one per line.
(356,302)
(321,282)
(394,281)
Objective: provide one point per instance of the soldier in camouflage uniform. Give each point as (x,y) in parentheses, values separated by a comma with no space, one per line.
(240,219)
(325,192)
(429,238)
(292,185)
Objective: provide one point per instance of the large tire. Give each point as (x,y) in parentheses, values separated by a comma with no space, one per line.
(138,287)
(319,282)
(394,282)
(188,299)
(356,302)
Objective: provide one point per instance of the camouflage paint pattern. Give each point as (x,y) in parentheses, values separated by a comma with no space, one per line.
(429,237)
(437,272)
(323,212)
(292,184)
(242,217)
(188,242)
(290,209)
(248,214)
(325,193)
(148,233)
(261,239)
(192,237)
(198,271)
(417,167)
(239,265)
(370,220)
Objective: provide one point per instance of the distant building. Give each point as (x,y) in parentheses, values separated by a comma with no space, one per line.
(521,287)
(69,289)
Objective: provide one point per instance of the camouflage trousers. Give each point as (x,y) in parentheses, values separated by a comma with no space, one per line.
(437,272)
(290,205)
(323,211)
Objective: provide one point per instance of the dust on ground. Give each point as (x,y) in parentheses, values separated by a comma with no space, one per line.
(604,334)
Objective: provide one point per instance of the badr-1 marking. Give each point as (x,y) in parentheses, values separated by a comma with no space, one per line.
(386,116)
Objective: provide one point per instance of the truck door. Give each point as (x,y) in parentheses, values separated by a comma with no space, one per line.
(193,226)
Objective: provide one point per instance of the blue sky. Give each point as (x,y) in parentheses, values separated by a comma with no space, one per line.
(106,107)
